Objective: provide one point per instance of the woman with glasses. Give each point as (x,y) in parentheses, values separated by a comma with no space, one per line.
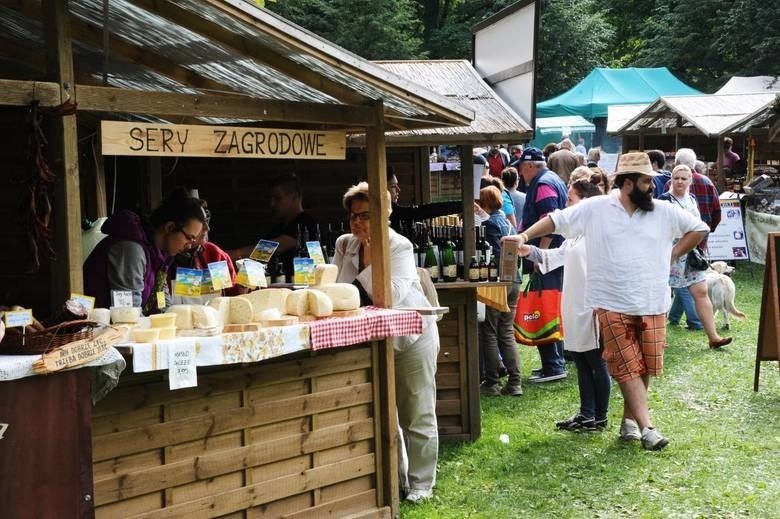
(135,254)
(415,355)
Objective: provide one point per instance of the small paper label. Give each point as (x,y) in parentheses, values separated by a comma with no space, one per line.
(188,282)
(122,298)
(251,274)
(160,300)
(181,365)
(315,252)
(303,269)
(18,318)
(264,250)
(220,275)
(87,302)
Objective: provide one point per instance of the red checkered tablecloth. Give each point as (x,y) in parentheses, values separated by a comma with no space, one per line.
(375,323)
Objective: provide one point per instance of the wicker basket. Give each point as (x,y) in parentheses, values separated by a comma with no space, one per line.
(37,343)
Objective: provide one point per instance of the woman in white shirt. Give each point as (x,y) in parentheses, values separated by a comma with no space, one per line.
(415,355)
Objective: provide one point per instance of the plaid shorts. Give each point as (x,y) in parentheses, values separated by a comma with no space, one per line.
(633,344)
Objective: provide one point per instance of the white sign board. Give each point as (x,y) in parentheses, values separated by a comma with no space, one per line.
(728,242)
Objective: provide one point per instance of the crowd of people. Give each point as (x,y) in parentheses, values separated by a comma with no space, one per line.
(614,245)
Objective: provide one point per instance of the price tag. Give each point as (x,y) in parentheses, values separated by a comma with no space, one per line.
(16,318)
(264,250)
(181,365)
(87,302)
(315,252)
(160,300)
(220,275)
(122,298)
(251,274)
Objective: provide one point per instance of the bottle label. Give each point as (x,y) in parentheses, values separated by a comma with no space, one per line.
(450,271)
(483,273)
(474,274)
(493,274)
(434,271)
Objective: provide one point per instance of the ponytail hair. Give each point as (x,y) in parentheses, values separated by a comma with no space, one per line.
(178,207)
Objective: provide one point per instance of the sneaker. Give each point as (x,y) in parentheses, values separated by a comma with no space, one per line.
(652,439)
(577,423)
(418,496)
(512,390)
(536,372)
(600,424)
(541,378)
(489,389)
(629,431)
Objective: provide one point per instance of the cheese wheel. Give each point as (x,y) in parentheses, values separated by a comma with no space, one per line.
(267,299)
(183,316)
(298,302)
(320,304)
(240,310)
(222,306)
(204,317)
(344,296)
(325,274)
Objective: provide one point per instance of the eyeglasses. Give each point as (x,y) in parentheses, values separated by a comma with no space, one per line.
(363,217)
(190,237)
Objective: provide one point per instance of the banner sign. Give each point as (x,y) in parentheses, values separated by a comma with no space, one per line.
(182,140)
(729,241)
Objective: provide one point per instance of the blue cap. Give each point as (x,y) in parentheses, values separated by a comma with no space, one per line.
(531,154)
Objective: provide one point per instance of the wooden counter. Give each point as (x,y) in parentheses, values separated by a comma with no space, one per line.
(457,373)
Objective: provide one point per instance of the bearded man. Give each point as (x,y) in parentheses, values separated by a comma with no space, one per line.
(628,241)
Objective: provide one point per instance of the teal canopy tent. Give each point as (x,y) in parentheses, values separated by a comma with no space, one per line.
(607,86)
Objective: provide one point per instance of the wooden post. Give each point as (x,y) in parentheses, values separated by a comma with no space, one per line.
(425,175)
(467,190)
(641,141)
(387,454)
(720,175)
(67,273)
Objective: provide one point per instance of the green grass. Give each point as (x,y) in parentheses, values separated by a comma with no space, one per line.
(723,459)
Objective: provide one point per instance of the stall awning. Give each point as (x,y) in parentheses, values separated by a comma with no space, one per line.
(229,47)
(712,115)
(565,125)
(750,84)
(619,115)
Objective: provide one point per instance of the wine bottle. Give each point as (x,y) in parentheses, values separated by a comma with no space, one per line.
(331,244)
(474,269)
(278,273)
(431,263)
(459,251)
(483,269)
(303,237)
(493,269)
(449,265)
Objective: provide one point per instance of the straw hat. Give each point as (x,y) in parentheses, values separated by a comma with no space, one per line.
(635,162)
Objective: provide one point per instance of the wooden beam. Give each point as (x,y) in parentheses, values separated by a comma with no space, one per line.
(425,175)
(467,191)
(66,272)
(250,48)
(376,162)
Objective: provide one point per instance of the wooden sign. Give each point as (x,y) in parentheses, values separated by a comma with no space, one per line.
(768,347)
(77,352)
(180,140)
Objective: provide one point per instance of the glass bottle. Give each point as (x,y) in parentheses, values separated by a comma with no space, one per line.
(448,265)
(492,269)
(474,269)
(431,263)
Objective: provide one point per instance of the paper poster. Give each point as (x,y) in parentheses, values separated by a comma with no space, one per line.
(87,302)
(304,271)
(729,241)
(220,275)
(264,250)
(251,274)
(122,298)
(188,282)
(315,252)
(182,370)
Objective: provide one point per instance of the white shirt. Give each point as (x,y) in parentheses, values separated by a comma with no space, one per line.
(628,256)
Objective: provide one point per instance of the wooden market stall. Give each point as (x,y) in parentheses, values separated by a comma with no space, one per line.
(457,378)
(302,435)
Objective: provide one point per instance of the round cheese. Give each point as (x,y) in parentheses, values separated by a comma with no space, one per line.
(298,302)
(267,299)
(320,304)
(344,296)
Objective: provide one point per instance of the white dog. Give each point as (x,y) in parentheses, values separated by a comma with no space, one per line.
(722,290)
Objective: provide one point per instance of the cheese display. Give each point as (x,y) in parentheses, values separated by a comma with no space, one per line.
(309,301)
(344,296)
(183,315)
(267,299)
(164,320)
(205,317)
(233,310)
(325,274)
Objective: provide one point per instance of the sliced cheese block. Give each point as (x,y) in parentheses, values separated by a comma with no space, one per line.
(204,317)
(240,310)
(298,302)
(164,320)
(183,316)
(325,274)
(343,295)
(267,299)
(222,306)
(320,304)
